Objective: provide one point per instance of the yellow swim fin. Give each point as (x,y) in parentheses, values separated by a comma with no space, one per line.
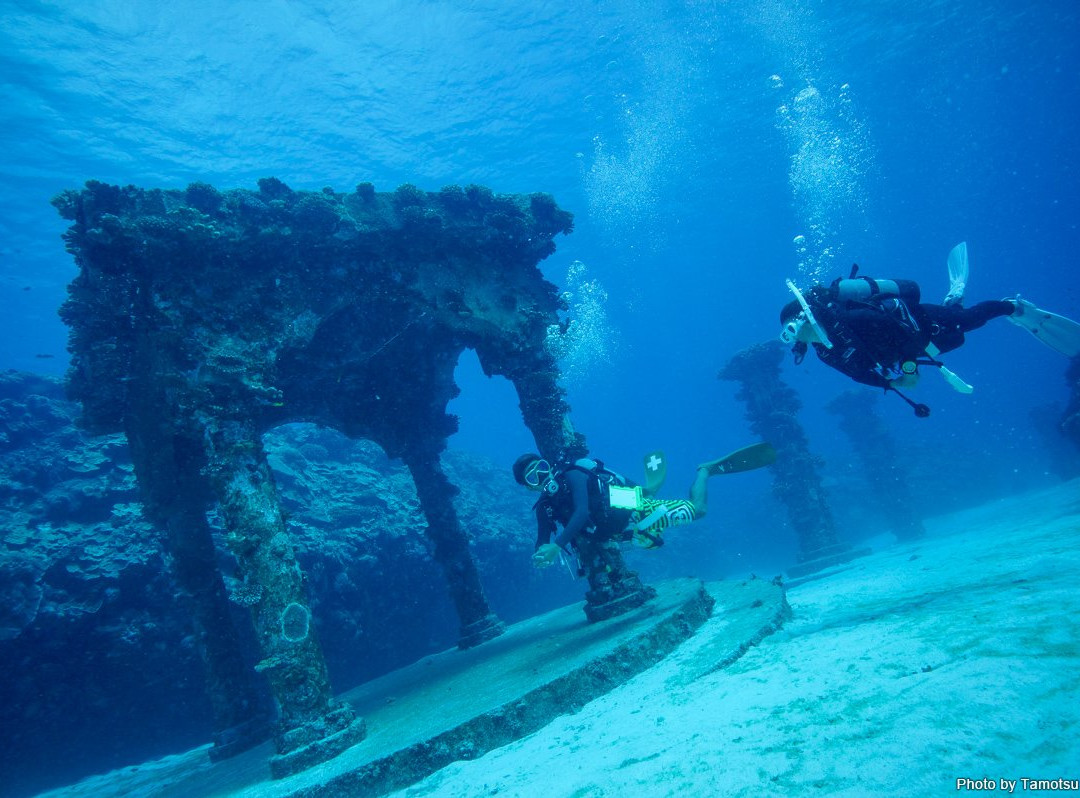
(756,455)
(655,472)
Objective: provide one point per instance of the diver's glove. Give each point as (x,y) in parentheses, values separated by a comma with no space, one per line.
(545,555)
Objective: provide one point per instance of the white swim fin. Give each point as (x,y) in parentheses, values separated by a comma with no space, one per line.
(951,377)
(1057,332)
(954,381)
(958,274)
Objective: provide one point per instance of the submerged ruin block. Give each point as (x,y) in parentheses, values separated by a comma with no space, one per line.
(202,318)
(771,409)
(1070,418)
(1049,422)
(878,454)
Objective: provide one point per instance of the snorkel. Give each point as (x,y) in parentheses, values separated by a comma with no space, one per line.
(808,317)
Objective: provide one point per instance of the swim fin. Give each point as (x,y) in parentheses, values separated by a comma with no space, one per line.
(757,455)
(655,472)
(955,382)
(958,274)
(1057,332)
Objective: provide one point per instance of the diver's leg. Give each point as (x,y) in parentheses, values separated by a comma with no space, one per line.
(699,493)
(659,514)
(947,324)
(977,315)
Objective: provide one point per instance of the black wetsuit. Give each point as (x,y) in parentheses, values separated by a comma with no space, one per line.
(579,506)
(873,338)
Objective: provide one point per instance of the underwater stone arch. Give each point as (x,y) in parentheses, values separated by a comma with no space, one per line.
(200,319)
(368,568)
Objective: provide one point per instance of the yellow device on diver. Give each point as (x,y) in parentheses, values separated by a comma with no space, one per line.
(625,498)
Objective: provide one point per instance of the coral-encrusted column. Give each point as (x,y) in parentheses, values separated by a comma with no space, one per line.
(877,451)
(613,587)
(175,497)
(169,461)
(451,545)
(771,407)
(312,726)
(1070,419)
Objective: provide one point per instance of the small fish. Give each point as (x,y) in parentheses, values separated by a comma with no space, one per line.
(42,356)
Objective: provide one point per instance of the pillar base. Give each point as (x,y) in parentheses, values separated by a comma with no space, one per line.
(617,606)
(239,738)
(913,530)
(825,557)
(480,631)
(317,741)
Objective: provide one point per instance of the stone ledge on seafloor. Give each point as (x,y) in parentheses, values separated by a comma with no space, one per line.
(552,666)
(460,704)
(818,562)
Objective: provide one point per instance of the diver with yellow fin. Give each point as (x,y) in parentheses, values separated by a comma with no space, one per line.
(587,498)
(879,333)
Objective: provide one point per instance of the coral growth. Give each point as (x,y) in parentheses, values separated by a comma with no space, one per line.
(772,408)
(104,657)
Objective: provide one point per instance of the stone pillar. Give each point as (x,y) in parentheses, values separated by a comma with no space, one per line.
(242,715)
(1070,419)
(313,727)
(451,546)
(175,495)
(877,453)
(1063,455)
(546,414)
(613,588)
(771,409)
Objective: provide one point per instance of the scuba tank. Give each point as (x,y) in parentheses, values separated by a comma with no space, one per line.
(867,289)
(885,295)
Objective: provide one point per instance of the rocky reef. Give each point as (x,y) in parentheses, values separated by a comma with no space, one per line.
(99,649)
(85,597)
(201,319)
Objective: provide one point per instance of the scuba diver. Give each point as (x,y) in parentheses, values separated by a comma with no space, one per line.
(879,333)
(587,498)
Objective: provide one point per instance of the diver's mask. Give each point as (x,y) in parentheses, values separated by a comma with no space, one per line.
(538,473)
(790,332)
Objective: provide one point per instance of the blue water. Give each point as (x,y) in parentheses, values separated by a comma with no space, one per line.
(708,150)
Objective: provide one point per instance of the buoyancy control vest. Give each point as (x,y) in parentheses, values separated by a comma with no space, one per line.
(907,340)
(883,308)
(558,498)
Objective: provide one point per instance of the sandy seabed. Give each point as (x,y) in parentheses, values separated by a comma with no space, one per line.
(954,657)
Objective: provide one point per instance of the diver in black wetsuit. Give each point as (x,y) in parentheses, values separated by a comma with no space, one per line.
(879,333)
(588,499)
(880,339)
(576,496)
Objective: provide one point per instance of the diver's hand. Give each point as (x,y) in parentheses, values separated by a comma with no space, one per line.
(545,555)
